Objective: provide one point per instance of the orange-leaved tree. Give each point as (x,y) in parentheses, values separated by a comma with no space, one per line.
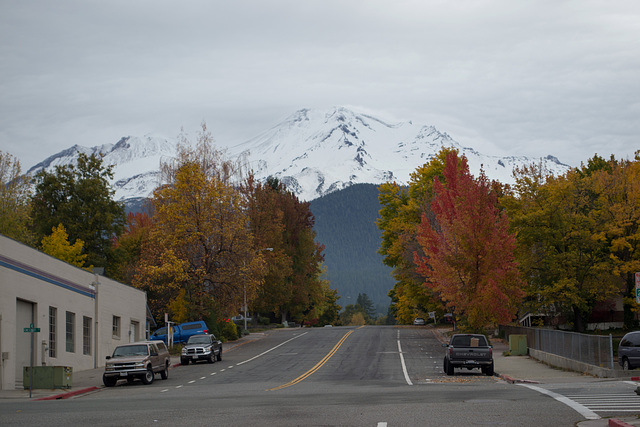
(468,250)
(402,208)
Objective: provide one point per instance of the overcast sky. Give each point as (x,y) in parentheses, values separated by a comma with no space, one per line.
(506,77)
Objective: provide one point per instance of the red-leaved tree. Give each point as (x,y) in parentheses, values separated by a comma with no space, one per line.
(468,251)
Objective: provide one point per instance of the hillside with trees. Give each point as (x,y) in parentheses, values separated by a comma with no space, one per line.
(346,225)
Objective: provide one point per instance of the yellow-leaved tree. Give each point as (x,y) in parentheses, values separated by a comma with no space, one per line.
(57,245)
(199,249)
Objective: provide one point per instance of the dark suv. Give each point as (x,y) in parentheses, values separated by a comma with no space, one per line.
(629,351)
(201,347)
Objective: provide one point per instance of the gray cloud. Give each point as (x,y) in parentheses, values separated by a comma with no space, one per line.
(528,77)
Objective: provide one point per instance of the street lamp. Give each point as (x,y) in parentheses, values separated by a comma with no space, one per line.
(245,288)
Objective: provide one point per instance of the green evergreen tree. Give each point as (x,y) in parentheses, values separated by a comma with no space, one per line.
(367,305)
(14,200)
(80,198)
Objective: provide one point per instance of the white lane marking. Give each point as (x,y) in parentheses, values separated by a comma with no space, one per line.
(404,366)
(271,349)
(213,373)
(192,381)
(582,410)
(202,378)
(382,424)
(178,386)
(165,390)
(230,367)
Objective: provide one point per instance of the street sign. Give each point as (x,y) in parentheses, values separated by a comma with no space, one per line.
(638,295)
(31,329)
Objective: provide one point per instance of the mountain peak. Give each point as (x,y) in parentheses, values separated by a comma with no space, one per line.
(313,152)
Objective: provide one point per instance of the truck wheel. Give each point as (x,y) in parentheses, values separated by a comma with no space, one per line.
(625,364)
(219,356)
(488,370)
(164,374)
(444,365)
(109,381)
(148,376)
(449,370)
(211,358)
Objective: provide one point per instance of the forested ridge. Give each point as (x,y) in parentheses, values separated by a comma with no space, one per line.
(345,222)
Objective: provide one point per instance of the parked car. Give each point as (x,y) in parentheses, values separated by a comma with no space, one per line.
(201,347)
(182,332)
(468,351)
(629,351)
(418,321)
(137,360)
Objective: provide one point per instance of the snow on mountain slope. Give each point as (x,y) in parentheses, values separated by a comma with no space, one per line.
(314,152)
(137,163)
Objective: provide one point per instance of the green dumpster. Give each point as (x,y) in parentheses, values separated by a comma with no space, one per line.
(47,377)
(518,345)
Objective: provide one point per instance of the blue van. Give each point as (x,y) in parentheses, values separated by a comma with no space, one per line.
(181,333)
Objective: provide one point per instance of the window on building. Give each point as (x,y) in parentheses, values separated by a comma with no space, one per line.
(86,335)
(53,315)
(71,326)
(116,327)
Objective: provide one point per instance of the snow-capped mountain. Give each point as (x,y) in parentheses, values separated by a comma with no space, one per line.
(136,161)
(314,152)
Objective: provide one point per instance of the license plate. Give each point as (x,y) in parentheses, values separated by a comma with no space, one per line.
(123,374)
(195,356)
(471,361)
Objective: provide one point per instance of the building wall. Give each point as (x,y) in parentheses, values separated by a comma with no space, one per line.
(31,285)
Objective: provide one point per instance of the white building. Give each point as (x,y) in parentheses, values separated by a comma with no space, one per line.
(82,316)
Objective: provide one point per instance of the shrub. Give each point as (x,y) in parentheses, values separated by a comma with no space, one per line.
(228,330)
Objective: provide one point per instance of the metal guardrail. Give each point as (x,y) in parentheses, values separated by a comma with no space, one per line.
(594,350)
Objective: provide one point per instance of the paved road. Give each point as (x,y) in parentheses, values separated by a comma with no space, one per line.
(371,376)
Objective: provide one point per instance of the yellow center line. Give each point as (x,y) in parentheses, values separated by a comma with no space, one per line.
(315,368)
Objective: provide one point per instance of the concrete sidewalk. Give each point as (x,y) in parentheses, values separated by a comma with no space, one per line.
(525,369)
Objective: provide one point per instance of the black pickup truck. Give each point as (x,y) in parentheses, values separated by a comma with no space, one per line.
(468,351)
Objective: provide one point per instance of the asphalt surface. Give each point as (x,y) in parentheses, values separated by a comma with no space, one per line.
(512,369)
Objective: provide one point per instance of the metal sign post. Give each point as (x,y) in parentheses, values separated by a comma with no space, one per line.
(31,330)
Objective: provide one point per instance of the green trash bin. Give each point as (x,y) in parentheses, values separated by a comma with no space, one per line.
(518,345)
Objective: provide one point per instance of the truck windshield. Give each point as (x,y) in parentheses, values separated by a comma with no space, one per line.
(131,350)
(199,339)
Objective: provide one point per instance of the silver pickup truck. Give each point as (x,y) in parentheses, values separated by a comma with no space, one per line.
(468,351)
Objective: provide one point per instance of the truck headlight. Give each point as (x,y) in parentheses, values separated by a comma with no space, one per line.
(184,350)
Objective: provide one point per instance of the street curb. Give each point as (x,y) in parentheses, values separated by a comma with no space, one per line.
(69,394)
(618,423)
(512,380)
